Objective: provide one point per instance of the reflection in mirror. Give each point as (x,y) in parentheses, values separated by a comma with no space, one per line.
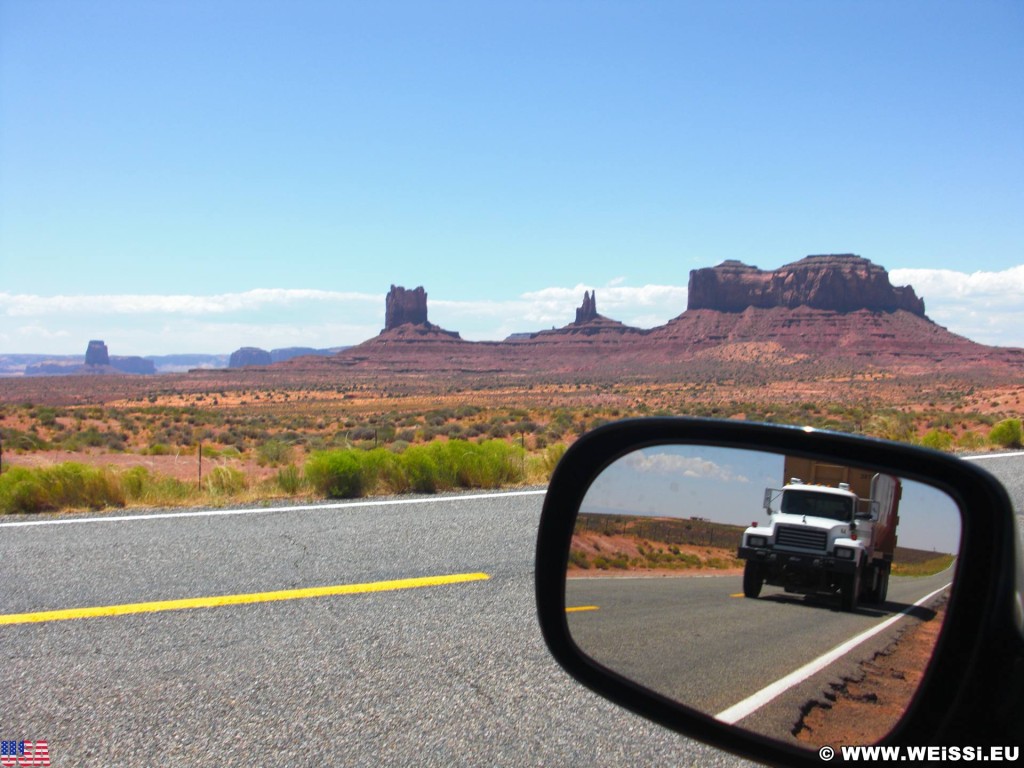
(797,599)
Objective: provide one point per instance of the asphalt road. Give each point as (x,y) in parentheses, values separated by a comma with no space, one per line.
(442,675)
(699,641)
(453,674)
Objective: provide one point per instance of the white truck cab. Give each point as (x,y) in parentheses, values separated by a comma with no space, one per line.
(825,539)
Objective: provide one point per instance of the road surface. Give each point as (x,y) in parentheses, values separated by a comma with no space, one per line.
(449,674)
(699,641)
(443,675)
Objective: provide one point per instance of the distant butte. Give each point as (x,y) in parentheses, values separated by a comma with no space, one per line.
(405,317)
(836,282)
(587,323)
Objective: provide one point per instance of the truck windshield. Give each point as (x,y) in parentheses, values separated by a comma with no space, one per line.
(817,505)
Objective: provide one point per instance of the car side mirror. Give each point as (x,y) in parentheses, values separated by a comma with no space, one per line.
(663,500)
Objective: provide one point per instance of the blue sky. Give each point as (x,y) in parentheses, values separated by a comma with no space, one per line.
(195,177)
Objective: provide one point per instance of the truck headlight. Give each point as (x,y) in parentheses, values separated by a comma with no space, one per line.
(844,553)
(757,541)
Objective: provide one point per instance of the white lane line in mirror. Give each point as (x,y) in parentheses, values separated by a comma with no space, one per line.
(753,703)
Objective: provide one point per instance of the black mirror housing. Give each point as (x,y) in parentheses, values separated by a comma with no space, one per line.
(974,686)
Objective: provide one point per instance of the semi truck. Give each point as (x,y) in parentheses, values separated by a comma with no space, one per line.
(831,530)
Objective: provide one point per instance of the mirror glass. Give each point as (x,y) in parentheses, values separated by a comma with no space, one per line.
(797,599)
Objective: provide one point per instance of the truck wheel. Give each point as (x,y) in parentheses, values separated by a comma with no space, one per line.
(877,584)
(848,590)
(872,585)
(752,580)
(883,582)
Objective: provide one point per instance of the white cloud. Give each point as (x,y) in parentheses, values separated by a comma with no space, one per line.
(664,463)
(983,306)
(644,306)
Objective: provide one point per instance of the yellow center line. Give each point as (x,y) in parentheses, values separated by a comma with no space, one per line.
(254,597)
(738,594)
(581,608)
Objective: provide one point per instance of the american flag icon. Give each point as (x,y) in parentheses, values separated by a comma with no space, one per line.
(24,753)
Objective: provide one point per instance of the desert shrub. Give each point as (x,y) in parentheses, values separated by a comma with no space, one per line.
(891,426)
(158,449)
(579,559)
(62,486)
(489,464)
(551,456)
(453,430)
(273,453)
(22,492)
(46,416)
(289,479)
(429,468)
(93,438)
(1007,433)
(939,439)
(970,441)
(22,441)
(134,482)
(226,481)
(421,470)
(363,433)
(140,486)
(337,474)
(380,468)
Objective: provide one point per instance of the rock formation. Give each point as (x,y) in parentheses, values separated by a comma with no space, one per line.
(405,316)
(588,310)
(246,356)
(838,283)
(403,306)
(587,323)
(96,353)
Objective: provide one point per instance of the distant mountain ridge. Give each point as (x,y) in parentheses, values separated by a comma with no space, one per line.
(833,308)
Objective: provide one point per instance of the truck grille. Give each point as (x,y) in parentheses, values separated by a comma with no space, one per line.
(804,538)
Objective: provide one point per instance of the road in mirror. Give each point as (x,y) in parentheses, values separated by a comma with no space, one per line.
(798,599)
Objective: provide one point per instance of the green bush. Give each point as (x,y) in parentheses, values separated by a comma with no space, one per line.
(289,479)
(138,485)
(552,455)
(1007,433)
(226,481)
(939,439)
(337,474)
(420,468)
(970,441)
(273,453)
(21,492)
(62,486)
(429,468)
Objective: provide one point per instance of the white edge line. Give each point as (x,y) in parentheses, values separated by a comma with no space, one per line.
(992,456)
(751,704)
(267,510)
